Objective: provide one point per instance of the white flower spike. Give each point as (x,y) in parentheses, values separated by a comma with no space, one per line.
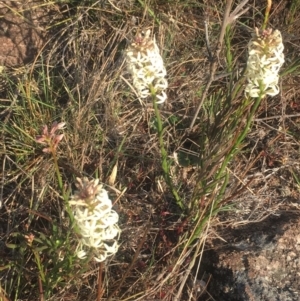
(146,66)
(96,221)
(265,59)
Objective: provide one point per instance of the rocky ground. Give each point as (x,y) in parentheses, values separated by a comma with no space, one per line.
(259,261)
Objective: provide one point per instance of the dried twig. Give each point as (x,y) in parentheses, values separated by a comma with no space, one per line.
(227,20)
(41,291)
(277,117)
(137,252)
(100,282)
(188,272)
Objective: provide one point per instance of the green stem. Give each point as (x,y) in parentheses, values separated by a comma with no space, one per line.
(40,267)
(65,193)
(164,154)
(59,178)
(241,136)
(266,19)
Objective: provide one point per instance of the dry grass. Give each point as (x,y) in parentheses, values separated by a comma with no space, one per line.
(79,77)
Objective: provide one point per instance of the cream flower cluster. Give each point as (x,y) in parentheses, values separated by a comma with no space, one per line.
(96,221)
(147,67)
(265,59)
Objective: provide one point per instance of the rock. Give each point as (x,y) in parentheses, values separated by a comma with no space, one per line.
(259,262)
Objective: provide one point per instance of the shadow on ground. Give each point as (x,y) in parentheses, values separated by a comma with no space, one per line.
(258,262)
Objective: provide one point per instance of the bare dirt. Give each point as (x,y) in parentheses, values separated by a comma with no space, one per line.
(257,262)
(22,31)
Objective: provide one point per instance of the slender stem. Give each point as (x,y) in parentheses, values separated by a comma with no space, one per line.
(65,194)
(266,19)
(164,154)
(53,152)
(41,289)
(59,178)
(241,136)
(40,266)
(135,257)
(228,18)
(100,282)
(214,62)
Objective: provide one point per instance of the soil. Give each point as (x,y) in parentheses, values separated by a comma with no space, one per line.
(258,261)
(22,31)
